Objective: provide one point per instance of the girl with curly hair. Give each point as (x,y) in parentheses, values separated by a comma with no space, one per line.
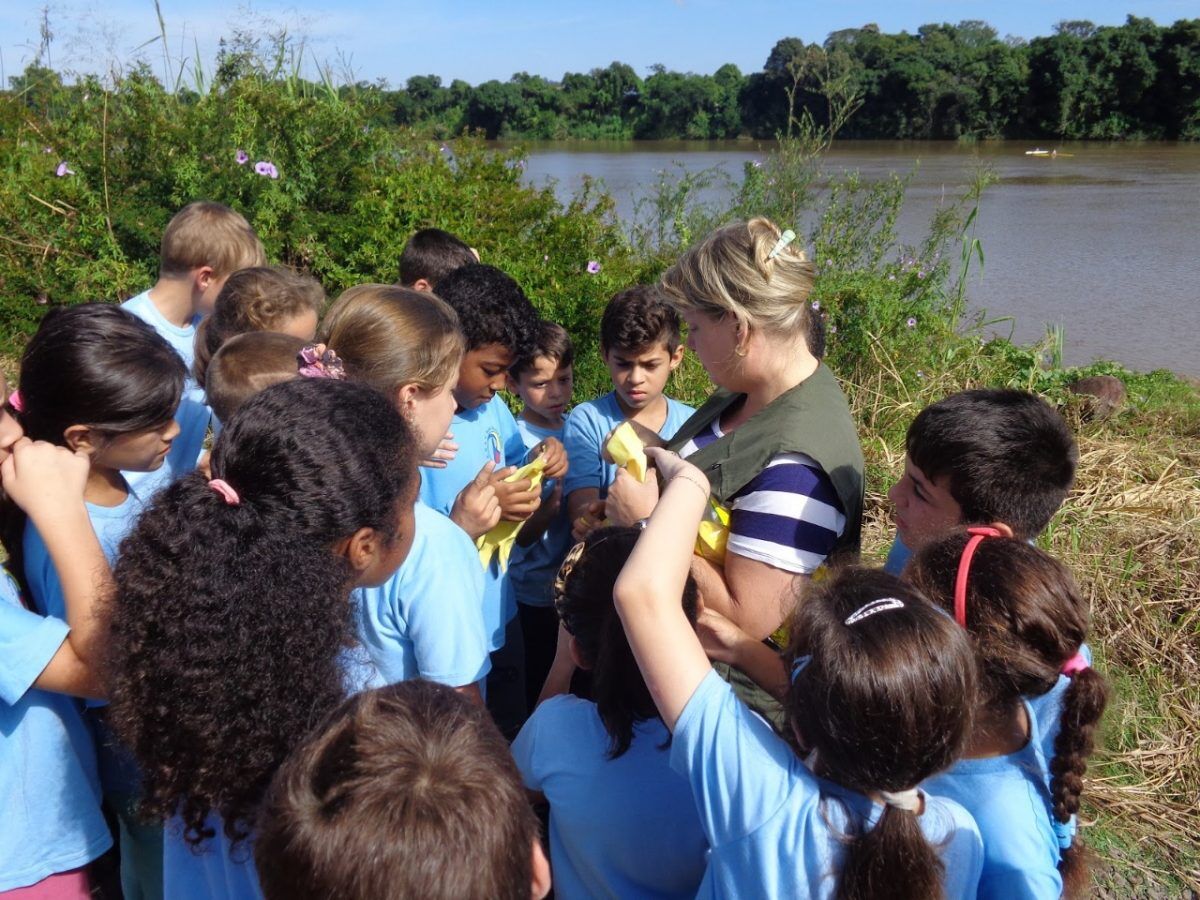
(1027,621)
(232,615)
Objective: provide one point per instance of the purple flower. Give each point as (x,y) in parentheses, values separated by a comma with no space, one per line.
(912,322)
(593,267)
(891,278)
(920,273)
(47,149)
(242,157)
(266,168)
(816,304)
(63,169)
(833,329)
(757,163)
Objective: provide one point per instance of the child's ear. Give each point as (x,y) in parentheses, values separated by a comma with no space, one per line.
(202,278)
(1004,528)
(82,437)
(540,886)
(361,549)
(422,284)
(406,395)
(677,357)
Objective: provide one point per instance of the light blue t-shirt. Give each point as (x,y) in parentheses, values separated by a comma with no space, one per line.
(427,620)
(487,433)
(624,827)
(193,414)
(584,436)
(897,558)
(1009,797)
(49,787)
(219,871)
(776,829)
(533,568)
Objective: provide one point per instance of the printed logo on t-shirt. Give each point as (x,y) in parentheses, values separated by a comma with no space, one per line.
(491,446)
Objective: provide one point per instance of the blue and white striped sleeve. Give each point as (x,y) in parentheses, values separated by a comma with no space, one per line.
(788,516)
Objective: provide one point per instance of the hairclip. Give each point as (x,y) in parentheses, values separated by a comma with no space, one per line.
(564,572)
(225,489)
(964,567)
(1075,665)
(799,664)
(14,400)
(319,361)
(883,604)
(784,239)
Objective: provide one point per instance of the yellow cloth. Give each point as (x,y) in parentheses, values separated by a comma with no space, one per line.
(501,538)
(713,534)
(628,451)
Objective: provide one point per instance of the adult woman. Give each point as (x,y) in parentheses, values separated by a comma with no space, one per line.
(776,439)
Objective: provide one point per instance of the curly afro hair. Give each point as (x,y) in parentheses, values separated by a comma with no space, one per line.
(492,309)
(229,619)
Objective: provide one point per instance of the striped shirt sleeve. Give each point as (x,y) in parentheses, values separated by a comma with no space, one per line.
(788,516)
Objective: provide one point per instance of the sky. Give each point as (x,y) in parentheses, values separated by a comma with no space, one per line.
(478,40)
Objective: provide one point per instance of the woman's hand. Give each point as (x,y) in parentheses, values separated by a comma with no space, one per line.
(629,500)
(670,465)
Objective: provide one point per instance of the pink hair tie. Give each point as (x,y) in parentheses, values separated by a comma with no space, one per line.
(319,361)
(225,489)
(1075,665)
(14,400)
(964,568)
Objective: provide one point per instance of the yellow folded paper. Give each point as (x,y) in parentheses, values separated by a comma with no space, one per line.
(628,451)
(713,534)
(501,538)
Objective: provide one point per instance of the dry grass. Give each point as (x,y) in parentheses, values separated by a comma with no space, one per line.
(1131,533)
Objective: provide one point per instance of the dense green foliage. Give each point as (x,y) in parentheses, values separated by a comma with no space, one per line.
(1137,80)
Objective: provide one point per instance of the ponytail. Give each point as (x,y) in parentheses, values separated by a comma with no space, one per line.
(1083,705)
(894,859)
(232,606)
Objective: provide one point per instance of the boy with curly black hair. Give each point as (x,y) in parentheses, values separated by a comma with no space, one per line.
(500,326)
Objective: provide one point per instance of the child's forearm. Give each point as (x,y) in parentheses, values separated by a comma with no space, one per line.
(764,666)
(83,573)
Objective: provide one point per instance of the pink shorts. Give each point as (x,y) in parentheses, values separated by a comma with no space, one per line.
(71,885)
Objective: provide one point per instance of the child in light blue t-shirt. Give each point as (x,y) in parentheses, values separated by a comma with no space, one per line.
(101,382)
(311,496)
(640,340)
(622,824)
(203,244)
(1027,622)
(544,383)
(879,699)
(499,326)
(52,825)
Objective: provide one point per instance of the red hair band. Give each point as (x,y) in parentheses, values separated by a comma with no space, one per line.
(964,567)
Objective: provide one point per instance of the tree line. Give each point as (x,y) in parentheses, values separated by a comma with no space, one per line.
(1136,80)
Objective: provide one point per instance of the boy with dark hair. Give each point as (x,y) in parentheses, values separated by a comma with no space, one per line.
(640,342)
(995,457)
(407,791)
(203,244)
(987,457)
(430,255)
(543,380)
(500,326)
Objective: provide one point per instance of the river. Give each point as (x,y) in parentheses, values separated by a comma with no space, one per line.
(1103,242)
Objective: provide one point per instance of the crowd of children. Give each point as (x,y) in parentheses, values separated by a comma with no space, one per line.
(360,646)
